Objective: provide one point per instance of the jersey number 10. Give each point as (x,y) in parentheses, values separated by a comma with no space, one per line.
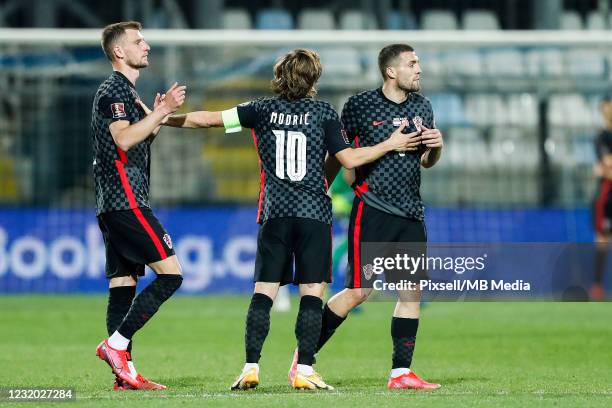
(296,154)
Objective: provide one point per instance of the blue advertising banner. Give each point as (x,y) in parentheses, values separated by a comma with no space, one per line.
(61,251)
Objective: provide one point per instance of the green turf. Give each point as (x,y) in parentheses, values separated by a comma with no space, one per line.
(484,354)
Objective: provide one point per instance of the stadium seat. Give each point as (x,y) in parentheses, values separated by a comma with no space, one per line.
(512,147)
(448,109)
(544,62)
(596,21)
(557,145)
(522,110)
(340,62)
(464,62)
(571,20)
(316,19)
(396,20)
(465,148)
(571,110)
(439,20)
(274,19)
(582,149)
(236,19)
(504,62)
(480,20)
(486,109)
(581,63)
(356,20)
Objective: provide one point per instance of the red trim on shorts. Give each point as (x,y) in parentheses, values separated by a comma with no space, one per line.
(361,188)
(134,207)
(600,205)
(122,155)
(262,177)
(357,141)
(356,254)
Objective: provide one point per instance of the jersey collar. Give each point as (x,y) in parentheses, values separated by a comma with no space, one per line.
(124,78)
(382,94)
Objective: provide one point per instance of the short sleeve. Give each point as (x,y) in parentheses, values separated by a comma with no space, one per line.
(349,119)
(336,138)
(113,107)
(248,113)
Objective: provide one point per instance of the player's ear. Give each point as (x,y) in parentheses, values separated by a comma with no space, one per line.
(391,72)
(118,52)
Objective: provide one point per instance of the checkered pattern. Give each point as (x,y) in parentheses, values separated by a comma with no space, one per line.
(257,326)
(117,91)
(148,302)
(308,328)
(308,197)
(394,180)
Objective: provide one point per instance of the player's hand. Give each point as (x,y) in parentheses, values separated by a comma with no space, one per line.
(173,98)
(158,100)
(431,137)
(404,142)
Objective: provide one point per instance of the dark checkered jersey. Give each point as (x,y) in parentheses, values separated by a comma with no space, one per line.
(391,183)
(292,138)
(121,178)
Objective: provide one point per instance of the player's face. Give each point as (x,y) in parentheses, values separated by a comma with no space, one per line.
(135,49)
(408,72)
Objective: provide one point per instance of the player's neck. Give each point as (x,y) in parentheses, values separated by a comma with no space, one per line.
(130,73)
(393,93)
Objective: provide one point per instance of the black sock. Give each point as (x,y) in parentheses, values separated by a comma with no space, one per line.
(148,302)
(119,301)
(308,328)
(330,323)
(403,333)
(257,326)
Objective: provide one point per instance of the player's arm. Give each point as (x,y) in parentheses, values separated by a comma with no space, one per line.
(232,119)
(398,141)
(190,120)
(195,120)
(127,135)
(432,140)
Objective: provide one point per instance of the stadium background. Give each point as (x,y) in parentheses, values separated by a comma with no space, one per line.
(518,109)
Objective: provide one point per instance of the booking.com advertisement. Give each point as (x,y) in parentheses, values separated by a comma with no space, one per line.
(61,251)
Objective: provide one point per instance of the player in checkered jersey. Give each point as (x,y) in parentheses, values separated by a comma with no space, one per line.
(292,133)
(387,206)
(133,237)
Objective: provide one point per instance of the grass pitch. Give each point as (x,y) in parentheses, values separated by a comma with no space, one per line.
(484,354)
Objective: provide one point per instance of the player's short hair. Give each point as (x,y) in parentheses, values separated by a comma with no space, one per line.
(388,55)
(296,73)
(112,33)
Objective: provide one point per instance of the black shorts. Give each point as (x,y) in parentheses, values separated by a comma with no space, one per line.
(133,238)
(281,240)
(602,208)
(369,225)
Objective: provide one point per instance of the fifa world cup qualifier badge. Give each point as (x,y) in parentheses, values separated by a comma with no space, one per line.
(118,110)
